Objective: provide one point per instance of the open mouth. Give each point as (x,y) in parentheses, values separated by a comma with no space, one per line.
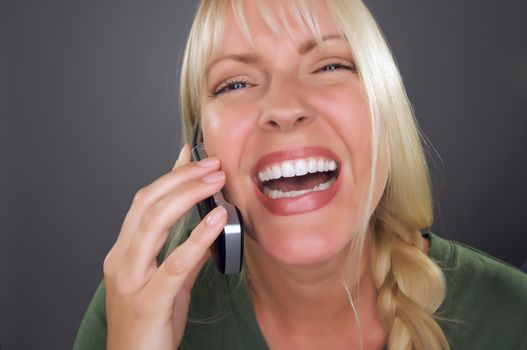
(294,178)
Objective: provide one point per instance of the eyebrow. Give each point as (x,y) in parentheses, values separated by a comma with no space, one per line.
(302,49)
(243,58)
(312,43)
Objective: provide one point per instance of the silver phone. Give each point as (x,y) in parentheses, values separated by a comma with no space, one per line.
(227,249)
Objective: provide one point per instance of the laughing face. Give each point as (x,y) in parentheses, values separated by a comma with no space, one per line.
(289,120)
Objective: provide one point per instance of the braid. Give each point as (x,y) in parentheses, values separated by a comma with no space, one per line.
(411,287)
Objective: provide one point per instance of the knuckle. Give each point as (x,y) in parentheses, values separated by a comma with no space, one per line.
(133,252)
(176,264)
(149,221)
(126,286)
(197,238)
(108,264)
(140,196)
(156,219)
(125,279)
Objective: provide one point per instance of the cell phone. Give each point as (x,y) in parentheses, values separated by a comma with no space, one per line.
(227,249)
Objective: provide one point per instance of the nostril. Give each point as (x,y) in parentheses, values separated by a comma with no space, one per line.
(286,123)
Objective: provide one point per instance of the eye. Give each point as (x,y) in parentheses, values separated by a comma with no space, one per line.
(230,85)
(332,67)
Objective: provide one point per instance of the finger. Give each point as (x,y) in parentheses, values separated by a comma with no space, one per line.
(154,226)
(182,299)
(168,280)
(191,278)
(182,173)
(152,193)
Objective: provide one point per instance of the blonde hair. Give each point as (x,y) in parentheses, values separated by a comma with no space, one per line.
(410,285)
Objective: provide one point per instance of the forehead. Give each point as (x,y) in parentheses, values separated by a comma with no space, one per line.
(273,21)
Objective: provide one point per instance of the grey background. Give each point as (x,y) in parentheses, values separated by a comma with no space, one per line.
(89,115)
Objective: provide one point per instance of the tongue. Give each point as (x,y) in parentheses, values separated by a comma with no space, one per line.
(298,183)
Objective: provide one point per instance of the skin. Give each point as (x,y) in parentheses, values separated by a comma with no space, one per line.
(296,262)
(146,304)
(288,100)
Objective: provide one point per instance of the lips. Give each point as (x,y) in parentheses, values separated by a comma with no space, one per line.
(296,181)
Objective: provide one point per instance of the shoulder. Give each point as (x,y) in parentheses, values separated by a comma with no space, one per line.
(470,267)
(486,298)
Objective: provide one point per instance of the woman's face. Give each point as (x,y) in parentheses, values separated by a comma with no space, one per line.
(280,109)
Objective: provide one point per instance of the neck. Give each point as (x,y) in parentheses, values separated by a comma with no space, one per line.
(301,298)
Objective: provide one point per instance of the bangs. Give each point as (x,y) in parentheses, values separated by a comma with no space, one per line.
(303,13)
(278,15)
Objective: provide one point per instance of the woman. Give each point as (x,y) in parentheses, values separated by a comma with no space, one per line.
(333,254)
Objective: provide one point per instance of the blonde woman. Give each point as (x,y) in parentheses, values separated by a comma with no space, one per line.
(310,134)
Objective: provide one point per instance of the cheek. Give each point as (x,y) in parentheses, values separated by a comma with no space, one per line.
(225,134)
(225,130)
(346,109)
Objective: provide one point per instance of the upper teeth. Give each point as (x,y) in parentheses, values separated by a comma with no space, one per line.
(297,167)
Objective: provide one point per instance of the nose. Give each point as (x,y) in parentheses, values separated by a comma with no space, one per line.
(284,108)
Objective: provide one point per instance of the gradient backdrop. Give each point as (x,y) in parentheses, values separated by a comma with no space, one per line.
(89,115)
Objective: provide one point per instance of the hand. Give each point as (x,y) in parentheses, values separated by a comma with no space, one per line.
(147,305)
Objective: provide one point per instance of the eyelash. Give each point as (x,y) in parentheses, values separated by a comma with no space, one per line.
(228,86)
(225,86)
(337,65)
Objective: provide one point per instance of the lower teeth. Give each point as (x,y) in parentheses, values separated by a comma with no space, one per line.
(275,194)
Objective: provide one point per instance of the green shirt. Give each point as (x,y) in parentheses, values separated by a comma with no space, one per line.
(485,306)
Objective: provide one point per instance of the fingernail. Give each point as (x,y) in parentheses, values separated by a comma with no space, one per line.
(216,216)
(209,162)
(214,177)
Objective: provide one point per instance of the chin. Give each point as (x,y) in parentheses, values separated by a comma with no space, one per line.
(304,249)
(302,240)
